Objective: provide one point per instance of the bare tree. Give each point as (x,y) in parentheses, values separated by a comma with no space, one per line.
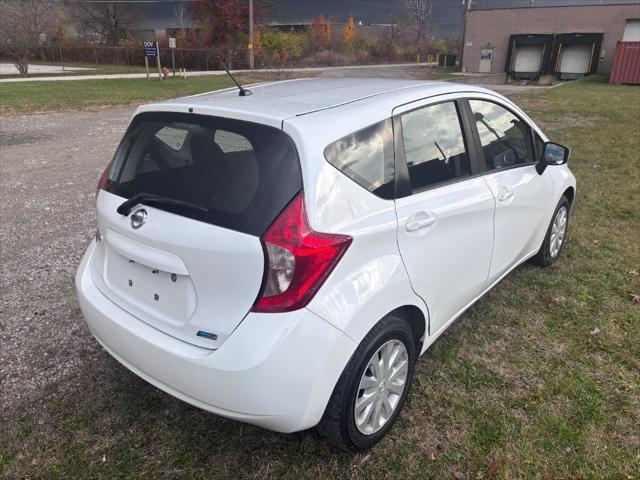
(420,14)
(111,21)
(24,26)
(181,14)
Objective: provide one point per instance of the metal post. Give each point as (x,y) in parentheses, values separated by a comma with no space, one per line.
(251,59)
(173,60)
(61,59)
(466,4)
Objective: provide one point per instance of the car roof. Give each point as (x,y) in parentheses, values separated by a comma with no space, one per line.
(272,103)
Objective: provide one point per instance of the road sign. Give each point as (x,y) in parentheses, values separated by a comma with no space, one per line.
(172,42)
(150,49)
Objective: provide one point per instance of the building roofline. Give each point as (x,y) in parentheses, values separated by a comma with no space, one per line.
(474,10)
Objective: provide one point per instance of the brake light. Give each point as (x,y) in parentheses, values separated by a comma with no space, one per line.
(297,260)
(103,179)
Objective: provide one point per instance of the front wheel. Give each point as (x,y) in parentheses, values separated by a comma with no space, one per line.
(556,235)
(373,387)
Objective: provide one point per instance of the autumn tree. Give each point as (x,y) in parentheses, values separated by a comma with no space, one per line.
(24,26)
(349,32)
(321,31)
(225,21)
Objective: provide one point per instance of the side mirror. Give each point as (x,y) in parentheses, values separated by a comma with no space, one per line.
(552,154)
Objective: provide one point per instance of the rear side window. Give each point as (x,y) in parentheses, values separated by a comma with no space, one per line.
(244,173)
(505,138)
(434,145)
(366,157)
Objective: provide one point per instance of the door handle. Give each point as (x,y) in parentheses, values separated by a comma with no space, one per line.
(419,221)
(505,193)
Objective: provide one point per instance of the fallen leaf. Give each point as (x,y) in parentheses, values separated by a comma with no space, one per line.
(432,457)
(635,297)
(493,469)
(633,273)
(35,461)
(595,331)
(458,476)
(595,242)
(555,298)
(547,476)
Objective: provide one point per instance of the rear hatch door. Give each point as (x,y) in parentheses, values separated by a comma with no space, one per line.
(191,264)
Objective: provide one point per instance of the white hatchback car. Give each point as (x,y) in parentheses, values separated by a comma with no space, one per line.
(283,258)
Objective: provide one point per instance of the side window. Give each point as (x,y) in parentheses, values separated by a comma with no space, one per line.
(172,137)
(434,146)
(232,142)
(539,147)
(366,157)
(505,138)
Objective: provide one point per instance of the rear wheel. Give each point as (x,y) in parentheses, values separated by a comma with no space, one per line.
(372,389)
(556,235)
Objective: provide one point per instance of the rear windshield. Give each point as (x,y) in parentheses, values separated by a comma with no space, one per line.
(244,173)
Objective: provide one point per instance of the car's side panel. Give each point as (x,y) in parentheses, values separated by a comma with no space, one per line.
(523,202)
(448,262)
(370,279)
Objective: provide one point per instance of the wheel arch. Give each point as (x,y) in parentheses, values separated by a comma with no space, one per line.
(416,319)
(570,193)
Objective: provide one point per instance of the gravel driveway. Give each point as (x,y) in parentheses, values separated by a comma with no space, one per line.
(49,166)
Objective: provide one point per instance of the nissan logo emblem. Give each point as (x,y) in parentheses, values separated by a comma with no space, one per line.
(138,218)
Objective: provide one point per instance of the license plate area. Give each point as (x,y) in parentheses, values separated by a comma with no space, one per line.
(165,296)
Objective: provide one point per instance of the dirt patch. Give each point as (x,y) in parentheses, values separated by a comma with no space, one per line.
(570,121)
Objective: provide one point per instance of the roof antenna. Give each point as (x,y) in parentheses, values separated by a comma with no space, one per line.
(243,91)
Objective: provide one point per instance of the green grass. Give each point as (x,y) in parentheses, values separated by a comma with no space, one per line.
(539,379)
(40,97)
(53,96)
(35,97)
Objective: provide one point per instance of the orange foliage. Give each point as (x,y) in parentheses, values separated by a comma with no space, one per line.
(349,32)
(321,32)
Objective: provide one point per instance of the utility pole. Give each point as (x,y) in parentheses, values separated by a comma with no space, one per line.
(466,6)
(251,59)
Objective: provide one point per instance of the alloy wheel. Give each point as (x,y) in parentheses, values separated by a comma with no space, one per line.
(558,231)
(381,387)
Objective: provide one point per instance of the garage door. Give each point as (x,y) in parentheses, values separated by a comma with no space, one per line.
(528,58)
(575,59)
(632,31)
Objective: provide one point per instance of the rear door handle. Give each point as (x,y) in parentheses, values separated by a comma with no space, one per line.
(505,193)
(419,221)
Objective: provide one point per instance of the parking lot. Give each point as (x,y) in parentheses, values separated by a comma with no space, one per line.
(541,376)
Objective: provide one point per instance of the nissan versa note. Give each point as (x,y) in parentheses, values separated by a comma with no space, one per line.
(282,256)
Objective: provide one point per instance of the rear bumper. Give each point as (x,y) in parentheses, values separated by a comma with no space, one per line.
(276,371)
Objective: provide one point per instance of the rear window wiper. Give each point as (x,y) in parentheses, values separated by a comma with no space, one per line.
(151,199)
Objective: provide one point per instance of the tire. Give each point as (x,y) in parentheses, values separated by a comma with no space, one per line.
(550,252)
(339,424)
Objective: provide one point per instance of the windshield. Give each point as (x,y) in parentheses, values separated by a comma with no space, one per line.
(242,173)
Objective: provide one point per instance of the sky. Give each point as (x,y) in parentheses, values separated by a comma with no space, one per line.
(446,18)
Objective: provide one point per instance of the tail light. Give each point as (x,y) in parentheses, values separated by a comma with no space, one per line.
(297,260)
(103,179)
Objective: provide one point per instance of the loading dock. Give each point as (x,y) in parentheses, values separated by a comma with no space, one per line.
(528,55)
(576,55)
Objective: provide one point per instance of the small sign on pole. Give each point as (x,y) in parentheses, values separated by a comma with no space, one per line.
(172,46)
(151,49)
